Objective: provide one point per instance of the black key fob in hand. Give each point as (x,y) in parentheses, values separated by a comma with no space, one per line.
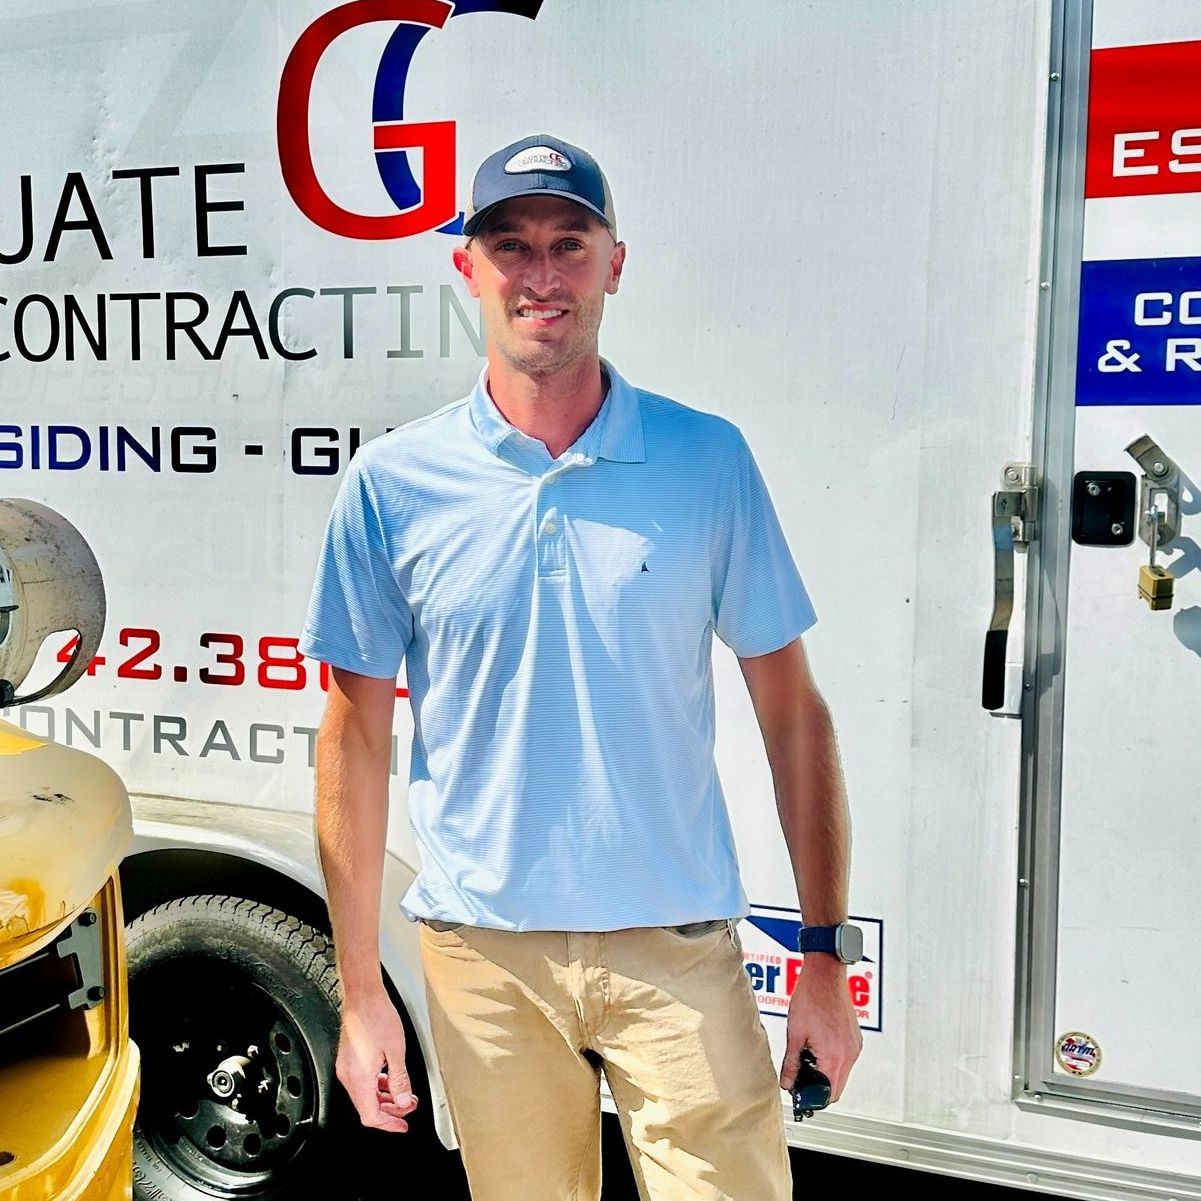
(810,1089)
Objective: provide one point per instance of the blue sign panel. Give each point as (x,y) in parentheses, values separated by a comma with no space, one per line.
(1140,333)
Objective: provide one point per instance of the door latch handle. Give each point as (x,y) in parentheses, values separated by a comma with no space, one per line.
(1014,523)
(1161,477)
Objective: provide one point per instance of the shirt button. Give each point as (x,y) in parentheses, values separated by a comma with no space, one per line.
(548,526)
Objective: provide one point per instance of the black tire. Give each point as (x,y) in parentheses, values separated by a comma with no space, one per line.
(212,977)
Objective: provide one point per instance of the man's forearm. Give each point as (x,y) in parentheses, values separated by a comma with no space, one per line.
(798,736)
(811,801)
(352,821)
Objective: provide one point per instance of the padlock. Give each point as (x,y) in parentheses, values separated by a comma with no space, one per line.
(1155,583)
(1155,586)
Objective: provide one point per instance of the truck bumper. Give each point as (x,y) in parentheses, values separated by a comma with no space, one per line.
(96,1164)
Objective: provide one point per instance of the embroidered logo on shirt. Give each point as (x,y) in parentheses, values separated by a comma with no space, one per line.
(644,567)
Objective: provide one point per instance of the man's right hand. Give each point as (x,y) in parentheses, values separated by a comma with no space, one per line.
(372,1035)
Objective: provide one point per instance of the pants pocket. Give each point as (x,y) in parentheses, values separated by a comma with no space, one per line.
(443,934)
(699,929)
(732,924)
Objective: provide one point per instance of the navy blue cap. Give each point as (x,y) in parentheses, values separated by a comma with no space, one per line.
(536,166)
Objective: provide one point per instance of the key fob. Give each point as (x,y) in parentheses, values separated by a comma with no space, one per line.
(810,1089)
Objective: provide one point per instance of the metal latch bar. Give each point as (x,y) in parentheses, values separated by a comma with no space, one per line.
(1161,477)
(1014,523)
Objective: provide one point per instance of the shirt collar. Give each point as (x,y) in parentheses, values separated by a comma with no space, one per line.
(615,432)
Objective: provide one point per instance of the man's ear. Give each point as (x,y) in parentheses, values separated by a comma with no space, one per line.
(616,262)
(461,257)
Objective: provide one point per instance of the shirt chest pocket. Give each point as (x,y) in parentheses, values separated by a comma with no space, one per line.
(634,580)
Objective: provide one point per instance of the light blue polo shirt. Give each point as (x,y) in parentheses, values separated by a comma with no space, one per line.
(556,617)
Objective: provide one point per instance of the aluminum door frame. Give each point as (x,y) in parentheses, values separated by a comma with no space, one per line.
(1036,1086)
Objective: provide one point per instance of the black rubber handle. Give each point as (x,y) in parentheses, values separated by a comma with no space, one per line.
(992,692)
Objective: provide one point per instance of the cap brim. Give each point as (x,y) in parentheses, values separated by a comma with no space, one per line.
(472,223)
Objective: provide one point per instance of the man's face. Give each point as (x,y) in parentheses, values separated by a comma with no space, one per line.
(540,268)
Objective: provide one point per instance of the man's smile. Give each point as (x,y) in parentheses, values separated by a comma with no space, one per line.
(540,318)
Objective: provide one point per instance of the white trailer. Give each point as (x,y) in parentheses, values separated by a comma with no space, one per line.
(920,252)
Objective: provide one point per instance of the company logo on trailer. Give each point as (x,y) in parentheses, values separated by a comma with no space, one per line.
(1144,120)
(421,207)
(1140,287)
(769,938)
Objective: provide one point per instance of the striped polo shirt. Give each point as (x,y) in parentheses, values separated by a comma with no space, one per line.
(556,620)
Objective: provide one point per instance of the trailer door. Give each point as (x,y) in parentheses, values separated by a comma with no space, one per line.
(1112,837)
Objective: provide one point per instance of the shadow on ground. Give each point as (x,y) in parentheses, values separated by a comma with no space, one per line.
(385,1164)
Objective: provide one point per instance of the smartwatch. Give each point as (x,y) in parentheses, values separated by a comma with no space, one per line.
(844,941)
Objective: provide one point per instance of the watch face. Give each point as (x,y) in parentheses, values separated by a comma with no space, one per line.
(850,943)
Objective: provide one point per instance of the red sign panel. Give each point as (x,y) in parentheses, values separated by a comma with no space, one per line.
(1144,120)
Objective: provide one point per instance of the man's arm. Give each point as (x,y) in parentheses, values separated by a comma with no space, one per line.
(354,751)
(798,736)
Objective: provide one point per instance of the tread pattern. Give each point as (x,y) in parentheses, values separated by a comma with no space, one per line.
(312,950)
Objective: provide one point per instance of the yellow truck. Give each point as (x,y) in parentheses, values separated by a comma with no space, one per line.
(69,1074)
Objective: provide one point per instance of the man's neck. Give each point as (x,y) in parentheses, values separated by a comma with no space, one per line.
(556,409)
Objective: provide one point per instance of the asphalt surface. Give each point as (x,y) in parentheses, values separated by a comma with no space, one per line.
(816,1176)
(386,1160)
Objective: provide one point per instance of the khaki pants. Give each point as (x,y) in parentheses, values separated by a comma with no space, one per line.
(523,1024)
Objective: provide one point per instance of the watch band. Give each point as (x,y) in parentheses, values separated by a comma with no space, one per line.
(817,938)
(844,941)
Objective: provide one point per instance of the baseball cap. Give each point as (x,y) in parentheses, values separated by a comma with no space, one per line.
(535,166)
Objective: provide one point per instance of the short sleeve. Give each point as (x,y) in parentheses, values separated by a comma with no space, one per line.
(358,618)
(759,600)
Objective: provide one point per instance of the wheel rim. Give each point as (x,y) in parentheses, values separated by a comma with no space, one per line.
(228,1081)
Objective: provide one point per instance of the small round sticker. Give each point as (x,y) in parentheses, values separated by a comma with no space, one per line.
(1078,1053)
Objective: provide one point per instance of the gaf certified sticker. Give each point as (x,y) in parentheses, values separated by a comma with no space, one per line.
(1078,1053)
(769,935)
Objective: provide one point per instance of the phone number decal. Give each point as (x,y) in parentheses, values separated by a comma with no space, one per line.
(233,660)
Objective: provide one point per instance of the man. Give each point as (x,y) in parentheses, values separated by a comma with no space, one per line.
(553,554)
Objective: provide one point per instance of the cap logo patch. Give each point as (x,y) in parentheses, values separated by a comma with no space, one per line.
(537,158)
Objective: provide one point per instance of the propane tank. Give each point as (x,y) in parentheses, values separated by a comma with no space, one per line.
(49,583)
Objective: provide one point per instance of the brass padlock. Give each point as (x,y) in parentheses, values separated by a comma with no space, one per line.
(1155,586)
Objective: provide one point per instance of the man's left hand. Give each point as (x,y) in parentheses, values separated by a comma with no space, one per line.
(822,1018)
